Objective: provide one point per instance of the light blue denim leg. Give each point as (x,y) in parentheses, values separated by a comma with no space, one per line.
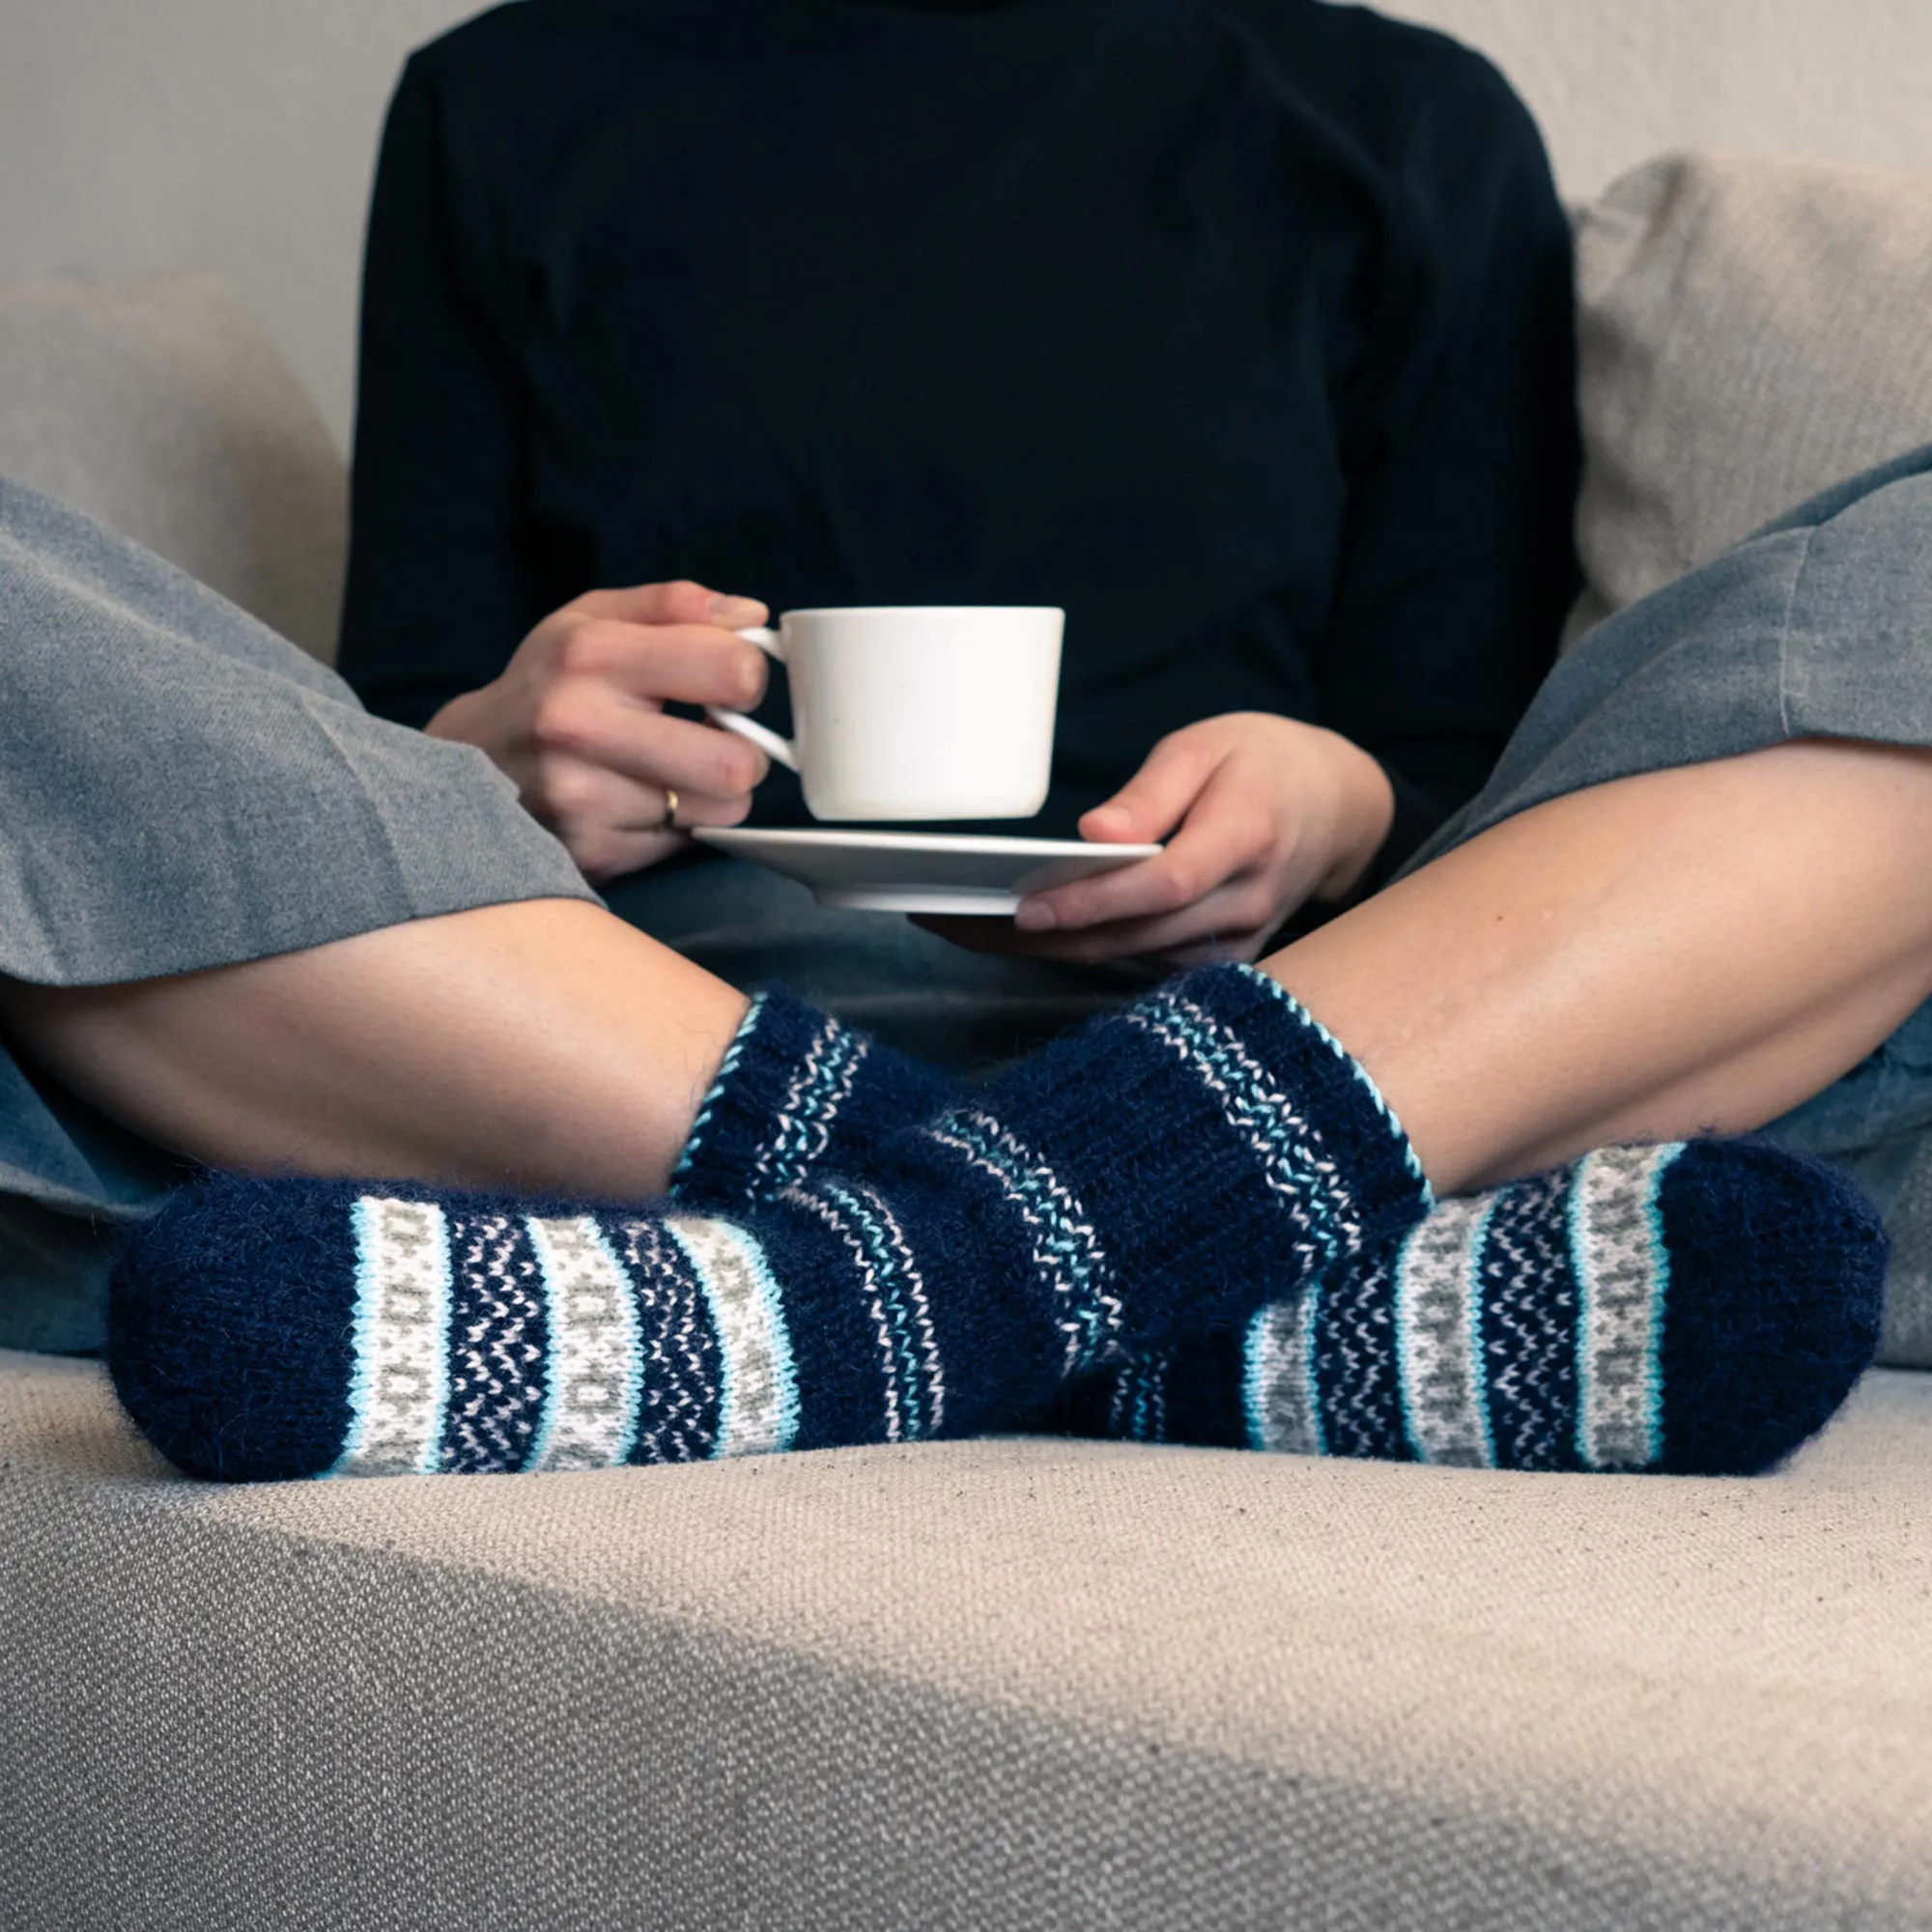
(964,1010)
(1874,1121)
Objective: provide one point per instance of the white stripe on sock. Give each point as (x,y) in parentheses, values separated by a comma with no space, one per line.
(1278,1379)
(1616,1249)
(400,1386)
(594,1377)
(758,1404)
(1443,1390)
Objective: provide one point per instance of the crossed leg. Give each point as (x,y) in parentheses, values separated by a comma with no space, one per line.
(1692,949)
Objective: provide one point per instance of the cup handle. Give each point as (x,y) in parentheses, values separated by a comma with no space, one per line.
(767,741)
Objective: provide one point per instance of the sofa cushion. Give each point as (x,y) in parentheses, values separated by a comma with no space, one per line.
(161,407)
(1012,1683)
(1752,330)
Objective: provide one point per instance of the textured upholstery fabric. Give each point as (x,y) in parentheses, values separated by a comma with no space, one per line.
(162,408)
(976,1686)
(1752,331)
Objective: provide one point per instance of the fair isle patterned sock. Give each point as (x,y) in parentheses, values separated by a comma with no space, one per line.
(797,1090)
(1171,1165)
(1697,1309)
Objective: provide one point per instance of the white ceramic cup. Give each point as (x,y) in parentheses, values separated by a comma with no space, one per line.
(938,711)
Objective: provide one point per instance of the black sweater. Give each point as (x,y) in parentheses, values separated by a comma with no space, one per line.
(1241,328)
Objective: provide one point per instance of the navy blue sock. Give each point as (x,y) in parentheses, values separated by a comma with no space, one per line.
(1697,1309)
(798,1090)
(1173,1165)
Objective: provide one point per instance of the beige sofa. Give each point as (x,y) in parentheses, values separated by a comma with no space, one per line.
(1021,1683)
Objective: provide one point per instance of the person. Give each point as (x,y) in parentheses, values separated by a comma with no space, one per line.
(1241,332)
(1686,904)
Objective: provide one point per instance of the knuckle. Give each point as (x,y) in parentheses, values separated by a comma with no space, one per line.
(565,792)
(583,649)
(1182,887)
(556,722)
(681,601)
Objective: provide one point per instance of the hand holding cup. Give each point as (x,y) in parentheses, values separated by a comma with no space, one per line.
(577,721)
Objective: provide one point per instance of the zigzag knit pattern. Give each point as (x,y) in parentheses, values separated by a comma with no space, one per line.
(498,1344)
(1168,1167)
(1697,1309)
(797,1090)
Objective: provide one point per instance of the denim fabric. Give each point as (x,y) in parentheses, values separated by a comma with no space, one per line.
(1819,626)
(181,788)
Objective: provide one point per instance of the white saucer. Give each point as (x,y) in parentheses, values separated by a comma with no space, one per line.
(920,871)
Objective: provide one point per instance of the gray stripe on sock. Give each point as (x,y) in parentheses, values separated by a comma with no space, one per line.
(758,1408)
(591,1411)
(401,1382)
(1279,1385)
(1616,1250)
(1435,1301)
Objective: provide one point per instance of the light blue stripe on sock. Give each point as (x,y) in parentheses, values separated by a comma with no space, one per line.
(726,1067)
(1660,1302)
(1064,1247)
(817,1102)
(1259,1113)
(1478,1377)
(1356,1068)
(900,1296)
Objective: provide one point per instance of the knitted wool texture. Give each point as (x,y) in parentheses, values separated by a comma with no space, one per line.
(1176,1164)
(798,1090)
(1697,1310)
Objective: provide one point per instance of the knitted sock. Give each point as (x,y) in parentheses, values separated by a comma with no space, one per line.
(798,1090)
(1174,1164)
(1691,1310)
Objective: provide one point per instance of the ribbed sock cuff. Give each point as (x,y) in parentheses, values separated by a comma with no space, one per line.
(797,1088)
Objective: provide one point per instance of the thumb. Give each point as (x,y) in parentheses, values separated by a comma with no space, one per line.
(1156,798)
(678,602)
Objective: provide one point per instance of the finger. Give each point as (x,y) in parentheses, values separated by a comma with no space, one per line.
(682,602)
(1156,798)
(1222,837)
(610,824)
(696,808)
(689,664)
(589,726)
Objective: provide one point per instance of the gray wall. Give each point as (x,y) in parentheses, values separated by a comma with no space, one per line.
(236,135)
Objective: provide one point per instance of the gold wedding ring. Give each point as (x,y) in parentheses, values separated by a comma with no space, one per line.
(670,809)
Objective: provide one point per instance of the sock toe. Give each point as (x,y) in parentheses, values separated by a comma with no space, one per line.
(230,1328)
(1775,1302)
